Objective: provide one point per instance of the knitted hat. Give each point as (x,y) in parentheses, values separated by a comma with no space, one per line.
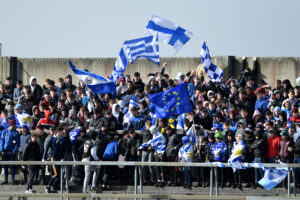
(219,135)
(12,122)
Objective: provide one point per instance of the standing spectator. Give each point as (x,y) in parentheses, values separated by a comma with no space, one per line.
(46,122)
(261,102)
(110,154)
(58,152)
(36,89)
(259,149)
(41,138)
(108,122)
(18,90)
(136,121)
(147,155)
(24,139)
(90,154)
(36,116)
(9,144)
(69,84)
(72,121)
(158,143)
(186,155)
(220,150)
(200,150)
(272,144)
(31,153)
(173,146)
(297,159)
(237,155)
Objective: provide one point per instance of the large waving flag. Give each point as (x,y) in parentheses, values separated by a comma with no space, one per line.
(173,101)
(168,32)
(213,71)
(120,66)
(146,47)
(98,84)
(272,177)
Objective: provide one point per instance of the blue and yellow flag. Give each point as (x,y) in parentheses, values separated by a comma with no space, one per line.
(173,101)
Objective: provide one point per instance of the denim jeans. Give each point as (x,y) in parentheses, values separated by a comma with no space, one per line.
(297,171)
(258,172)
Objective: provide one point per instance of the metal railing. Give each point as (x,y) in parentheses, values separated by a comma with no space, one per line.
(139,165)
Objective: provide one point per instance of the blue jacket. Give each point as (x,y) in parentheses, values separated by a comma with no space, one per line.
(222,149)
(10,140)
(24,139)
(111,151)
(262,105)
(137,123)
(4,124)
(58,148)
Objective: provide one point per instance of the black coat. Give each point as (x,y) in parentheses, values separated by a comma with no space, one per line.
(259,148)
(173,140)
(32,152)
(133,145)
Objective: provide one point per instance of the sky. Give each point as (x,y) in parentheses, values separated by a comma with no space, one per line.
(98,28)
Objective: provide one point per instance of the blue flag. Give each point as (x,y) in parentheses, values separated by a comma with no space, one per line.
(120,66)
(272,177)
(213,71)
(168,32)
(146,47)
(173,101)
(98,84)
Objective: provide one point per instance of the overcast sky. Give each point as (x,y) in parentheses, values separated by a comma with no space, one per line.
(97,28)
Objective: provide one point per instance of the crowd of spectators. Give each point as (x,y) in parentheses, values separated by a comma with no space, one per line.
(66,121)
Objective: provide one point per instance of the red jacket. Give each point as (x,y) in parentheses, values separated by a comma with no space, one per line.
(273,143)
(45,122)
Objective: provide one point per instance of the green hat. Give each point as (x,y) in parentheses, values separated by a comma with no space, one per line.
(284,133)
(219,135)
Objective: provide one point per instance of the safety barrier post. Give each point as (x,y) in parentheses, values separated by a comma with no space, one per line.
(289,182)
(135,180)
(141,181)
(61,181)
(211,182)
(216,180)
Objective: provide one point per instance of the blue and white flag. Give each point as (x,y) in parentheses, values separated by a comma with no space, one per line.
(168,32)
(120,66)
(98,84)
(146,47)
(213,71)
(219,164)
(272,177)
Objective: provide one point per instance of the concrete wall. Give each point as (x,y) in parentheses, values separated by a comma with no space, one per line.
(270,69)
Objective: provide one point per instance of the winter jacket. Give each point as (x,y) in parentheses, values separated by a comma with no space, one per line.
(261,105)
(272,144)
(173,140)
(283,153)
(132,147)
(297,148)
(72,123)
(110,124)
(259,148)
(32,152)
(222,149)
(137,122)
(201,150)
(111,151)
(45,122)
(10,140)
(58,148)
(28,103)
(24,139)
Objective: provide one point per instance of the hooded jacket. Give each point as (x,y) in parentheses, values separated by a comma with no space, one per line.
(70,85)
(37,91)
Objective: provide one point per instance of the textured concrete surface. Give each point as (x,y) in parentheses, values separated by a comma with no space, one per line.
(270,69)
